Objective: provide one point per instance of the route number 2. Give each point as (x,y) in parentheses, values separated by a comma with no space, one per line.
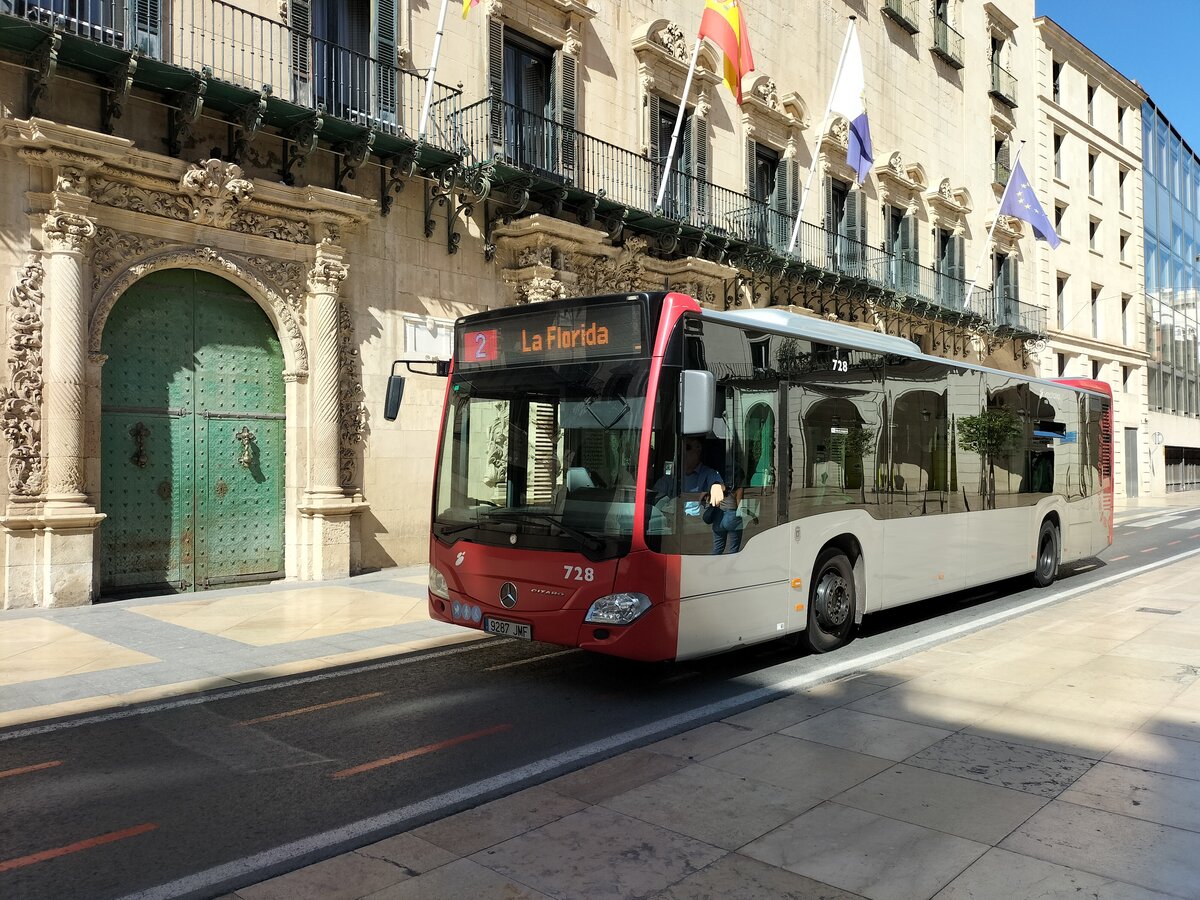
(480,346)
(577,573)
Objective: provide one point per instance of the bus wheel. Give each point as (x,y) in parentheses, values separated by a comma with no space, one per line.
(1047,555)
(830,602)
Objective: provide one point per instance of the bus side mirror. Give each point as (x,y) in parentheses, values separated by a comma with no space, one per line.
(395,393)
(697,400)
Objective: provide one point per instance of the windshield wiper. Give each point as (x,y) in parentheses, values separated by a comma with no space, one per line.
(591,541)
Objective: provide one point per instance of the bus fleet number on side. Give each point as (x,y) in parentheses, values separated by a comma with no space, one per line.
(578,573)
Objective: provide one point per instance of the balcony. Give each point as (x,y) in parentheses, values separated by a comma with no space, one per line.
(947,43)
(903,13)
(1004,86)
(242,59)
(535,155)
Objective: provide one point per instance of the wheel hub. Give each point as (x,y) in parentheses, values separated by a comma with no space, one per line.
(833,601)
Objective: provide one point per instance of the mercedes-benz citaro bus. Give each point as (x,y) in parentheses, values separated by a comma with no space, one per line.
(640,476)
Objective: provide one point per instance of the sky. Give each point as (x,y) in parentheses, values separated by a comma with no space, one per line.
(1153,42)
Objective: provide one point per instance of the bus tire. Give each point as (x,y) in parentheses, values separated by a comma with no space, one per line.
(1046,567)
(831,602)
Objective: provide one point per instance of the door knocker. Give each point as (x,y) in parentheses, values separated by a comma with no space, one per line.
(246,436)
(139,433)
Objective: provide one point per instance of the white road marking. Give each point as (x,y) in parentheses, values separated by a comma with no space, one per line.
(354,834)
(1151,523)
(1194,523)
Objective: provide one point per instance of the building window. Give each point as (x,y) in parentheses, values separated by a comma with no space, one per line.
(1091,103)
(1127,378)
(1094,234)
(846,228)
(950,268)
(1003,157)
(1121,179)
(1097,369)
(902,249)
(1126,330)
(1120,124)
(1062,365)
(1061,296)
(1060,214)
(1124,246)
(1093,161)
(1058,154)
(1095,311)
(1005,288)
(763,175)
(1056,69)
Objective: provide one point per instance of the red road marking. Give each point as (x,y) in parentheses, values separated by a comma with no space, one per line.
(35,768)
(1173,543)
(1194,535)
(1119,558)
(44,855)
(420,751)
(308,709)
(1149,549)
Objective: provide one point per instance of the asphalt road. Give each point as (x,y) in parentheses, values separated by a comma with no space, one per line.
(199,799)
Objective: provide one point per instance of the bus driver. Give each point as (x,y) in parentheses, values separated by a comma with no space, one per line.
(698,479)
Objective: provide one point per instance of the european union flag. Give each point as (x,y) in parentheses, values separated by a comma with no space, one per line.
(1021,202)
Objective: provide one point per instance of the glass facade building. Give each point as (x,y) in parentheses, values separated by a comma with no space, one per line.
(1172,214)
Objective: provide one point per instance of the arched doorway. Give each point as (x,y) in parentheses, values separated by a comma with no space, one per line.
(192,438)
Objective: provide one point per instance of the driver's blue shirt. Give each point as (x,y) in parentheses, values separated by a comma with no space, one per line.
(697,481)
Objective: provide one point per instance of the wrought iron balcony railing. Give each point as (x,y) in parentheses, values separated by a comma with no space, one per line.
(250,51)
(540,149)
(1004,85)
(904,13)
(947,42)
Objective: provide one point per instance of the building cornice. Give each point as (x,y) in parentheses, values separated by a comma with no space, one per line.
(1096,65)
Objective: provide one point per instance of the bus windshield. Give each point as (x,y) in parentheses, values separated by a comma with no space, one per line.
(543,457)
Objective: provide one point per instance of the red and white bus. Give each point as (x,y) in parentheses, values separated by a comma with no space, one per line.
(640,476)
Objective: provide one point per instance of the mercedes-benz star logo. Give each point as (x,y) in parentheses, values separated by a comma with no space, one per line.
(508,595)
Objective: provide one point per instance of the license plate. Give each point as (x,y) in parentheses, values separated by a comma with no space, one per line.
(508,629)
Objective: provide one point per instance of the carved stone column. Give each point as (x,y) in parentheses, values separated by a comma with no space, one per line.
(327,511)
(68,233)
(49,539)
(324,281)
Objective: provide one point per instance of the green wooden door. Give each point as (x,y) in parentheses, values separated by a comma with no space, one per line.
(192,438)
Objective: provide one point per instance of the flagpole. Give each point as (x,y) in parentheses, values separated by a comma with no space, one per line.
(991,231)
(687,86)
(812,170)
(437,47)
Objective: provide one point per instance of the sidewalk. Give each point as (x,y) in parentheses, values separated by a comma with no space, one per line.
(1055,755)
(63,662)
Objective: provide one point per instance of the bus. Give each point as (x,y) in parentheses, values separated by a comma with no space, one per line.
(640,476)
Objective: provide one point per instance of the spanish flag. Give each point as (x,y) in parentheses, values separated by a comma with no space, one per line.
(467,4)
(724,25)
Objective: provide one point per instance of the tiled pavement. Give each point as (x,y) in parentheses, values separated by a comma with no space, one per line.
(1056,755)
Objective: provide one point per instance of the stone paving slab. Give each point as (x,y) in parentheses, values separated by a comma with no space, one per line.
(1054,761)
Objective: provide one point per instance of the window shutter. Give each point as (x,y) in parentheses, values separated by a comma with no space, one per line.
(752,169)
(300,24)
(1002,162)
(858,199)
(565,103)
(831,236)
(656,150)
(912,256)
(385,59)
(852,226)
(147,22)
(1010,279)
(699,142)
(956,269)
(496,83)
(780,221)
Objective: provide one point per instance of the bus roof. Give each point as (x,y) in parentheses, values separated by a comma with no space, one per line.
(845,335)
(817,329)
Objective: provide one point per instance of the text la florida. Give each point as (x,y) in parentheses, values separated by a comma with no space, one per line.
(559,338)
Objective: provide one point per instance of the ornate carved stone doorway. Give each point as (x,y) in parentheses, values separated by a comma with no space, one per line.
(192,437)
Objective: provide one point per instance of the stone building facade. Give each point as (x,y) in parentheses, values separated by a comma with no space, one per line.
(1089,173)
(214,249)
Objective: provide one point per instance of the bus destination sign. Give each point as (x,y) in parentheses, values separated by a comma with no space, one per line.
(575,334)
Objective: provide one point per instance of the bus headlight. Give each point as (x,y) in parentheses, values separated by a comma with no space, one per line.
(437,584)
(617,609)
